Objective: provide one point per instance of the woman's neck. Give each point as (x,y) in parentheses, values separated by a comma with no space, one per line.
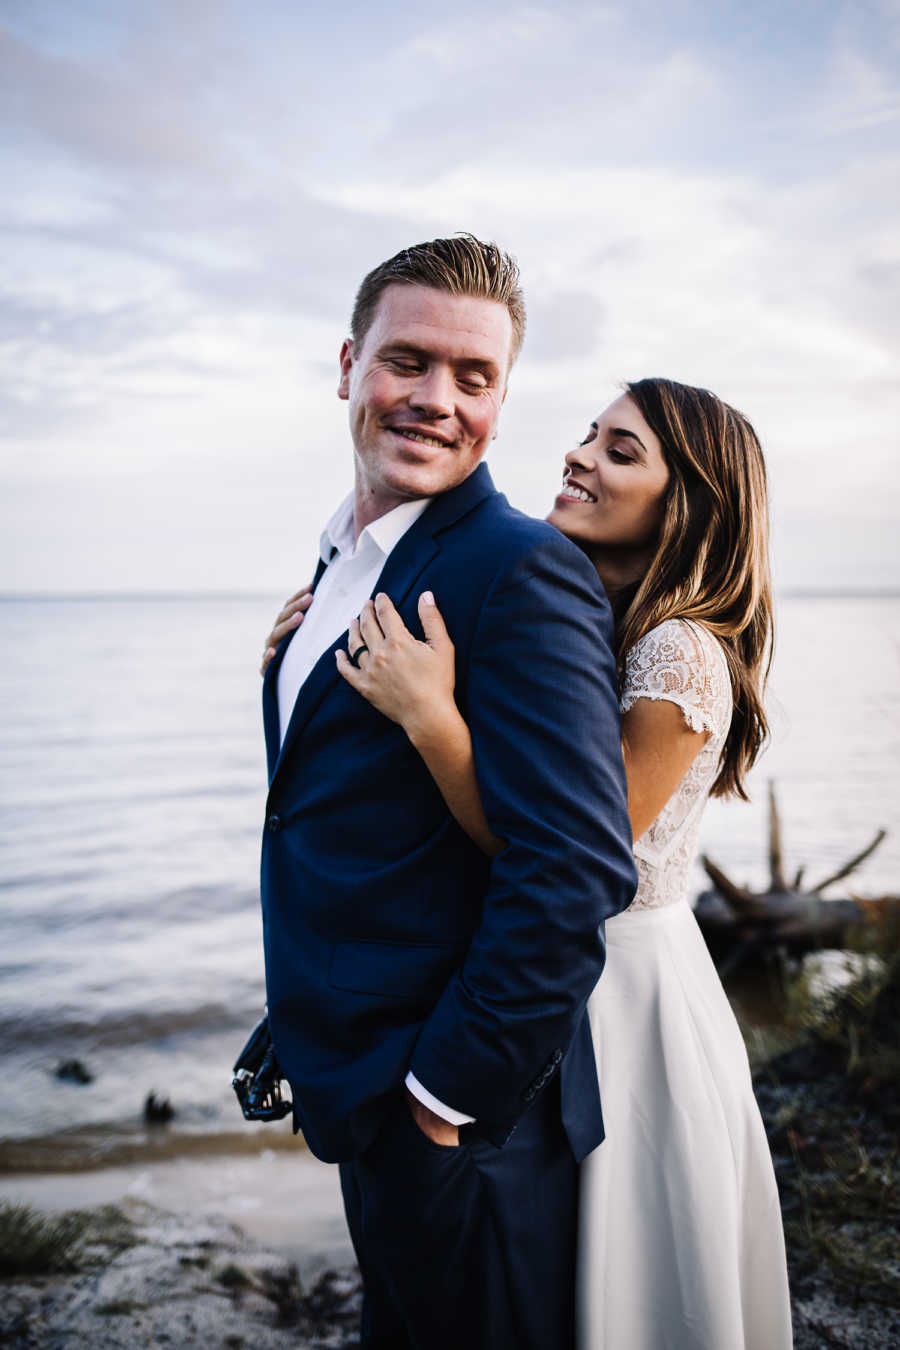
(618,569)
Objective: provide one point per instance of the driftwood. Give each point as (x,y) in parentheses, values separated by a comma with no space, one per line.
(738,923)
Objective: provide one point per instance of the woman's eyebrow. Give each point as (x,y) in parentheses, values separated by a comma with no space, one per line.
(631,435)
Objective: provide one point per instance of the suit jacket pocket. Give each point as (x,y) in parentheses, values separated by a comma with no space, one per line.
(411,971)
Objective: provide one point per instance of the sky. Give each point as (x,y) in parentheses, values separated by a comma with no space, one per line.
(193,191)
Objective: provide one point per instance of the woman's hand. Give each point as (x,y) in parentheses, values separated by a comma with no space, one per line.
(290,616)
(410,682)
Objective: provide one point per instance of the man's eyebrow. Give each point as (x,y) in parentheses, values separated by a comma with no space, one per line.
(477,363)
(398,345)
(623,431)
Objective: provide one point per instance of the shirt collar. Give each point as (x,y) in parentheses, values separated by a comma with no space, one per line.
(385,532)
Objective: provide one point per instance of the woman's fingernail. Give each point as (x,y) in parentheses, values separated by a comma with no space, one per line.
(428,597)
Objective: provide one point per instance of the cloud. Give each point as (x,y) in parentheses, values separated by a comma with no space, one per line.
(709,195)
(92,110)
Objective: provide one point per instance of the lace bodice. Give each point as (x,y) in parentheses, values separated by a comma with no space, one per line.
(682,663)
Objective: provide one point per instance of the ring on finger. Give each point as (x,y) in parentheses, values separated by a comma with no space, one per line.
(354,656)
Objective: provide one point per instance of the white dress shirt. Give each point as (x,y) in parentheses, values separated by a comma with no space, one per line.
(353,566)
(344,588)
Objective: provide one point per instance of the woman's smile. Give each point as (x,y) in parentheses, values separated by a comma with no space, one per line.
(572,491)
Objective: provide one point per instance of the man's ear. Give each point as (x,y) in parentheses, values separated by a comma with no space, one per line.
(343,389)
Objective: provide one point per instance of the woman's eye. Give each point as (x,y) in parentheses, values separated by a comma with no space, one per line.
(619,457)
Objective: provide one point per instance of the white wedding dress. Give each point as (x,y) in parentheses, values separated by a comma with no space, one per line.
(680,1238)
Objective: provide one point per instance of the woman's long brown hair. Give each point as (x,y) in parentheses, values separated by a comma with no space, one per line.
(712,564)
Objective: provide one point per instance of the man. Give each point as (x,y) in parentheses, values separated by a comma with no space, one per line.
(421,997)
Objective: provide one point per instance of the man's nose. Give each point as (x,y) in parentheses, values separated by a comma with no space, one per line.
(433,393)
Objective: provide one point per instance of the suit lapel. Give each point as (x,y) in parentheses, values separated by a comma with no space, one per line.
(404,564)
(271,720)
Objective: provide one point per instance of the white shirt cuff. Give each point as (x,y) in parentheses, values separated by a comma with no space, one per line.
(425,1097)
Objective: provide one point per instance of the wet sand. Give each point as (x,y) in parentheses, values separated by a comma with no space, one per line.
(286,1200)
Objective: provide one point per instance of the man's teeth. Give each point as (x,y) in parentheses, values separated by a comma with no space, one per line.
(425,440)
(577,494)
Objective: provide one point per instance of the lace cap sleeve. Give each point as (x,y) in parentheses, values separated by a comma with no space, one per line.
(681,663)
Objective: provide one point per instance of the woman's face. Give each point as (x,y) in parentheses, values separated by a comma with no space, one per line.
(614,485)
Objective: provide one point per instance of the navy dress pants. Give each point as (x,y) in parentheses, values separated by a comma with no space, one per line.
(468,1248)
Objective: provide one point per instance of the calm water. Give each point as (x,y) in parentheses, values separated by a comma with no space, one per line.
(131,791)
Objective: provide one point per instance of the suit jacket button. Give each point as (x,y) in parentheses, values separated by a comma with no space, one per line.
(273,824)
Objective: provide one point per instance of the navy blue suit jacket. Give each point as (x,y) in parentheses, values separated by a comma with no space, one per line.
(391,942)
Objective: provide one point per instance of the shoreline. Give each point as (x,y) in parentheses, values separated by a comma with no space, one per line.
(282,1197)
(93,1148)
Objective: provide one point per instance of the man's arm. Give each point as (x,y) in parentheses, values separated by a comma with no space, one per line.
(543,713)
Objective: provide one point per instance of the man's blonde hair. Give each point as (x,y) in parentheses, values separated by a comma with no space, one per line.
(462,265)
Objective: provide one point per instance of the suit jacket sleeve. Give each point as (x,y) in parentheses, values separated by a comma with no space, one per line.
(543,711)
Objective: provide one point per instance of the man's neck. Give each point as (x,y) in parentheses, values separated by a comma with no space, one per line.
(369,506)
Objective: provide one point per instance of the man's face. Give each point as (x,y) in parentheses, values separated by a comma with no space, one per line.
(425,390)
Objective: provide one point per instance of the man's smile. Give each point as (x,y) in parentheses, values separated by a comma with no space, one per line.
(423,438)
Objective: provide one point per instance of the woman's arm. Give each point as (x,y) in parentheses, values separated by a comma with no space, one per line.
(412,683)
(446,748)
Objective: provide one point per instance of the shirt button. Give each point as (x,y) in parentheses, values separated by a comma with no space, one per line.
(273,824)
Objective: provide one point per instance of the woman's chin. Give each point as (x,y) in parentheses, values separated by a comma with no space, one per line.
(565,521)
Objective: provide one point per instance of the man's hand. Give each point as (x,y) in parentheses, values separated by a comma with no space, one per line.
(438,1130)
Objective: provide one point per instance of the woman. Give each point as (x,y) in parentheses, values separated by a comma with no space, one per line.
(680,1239)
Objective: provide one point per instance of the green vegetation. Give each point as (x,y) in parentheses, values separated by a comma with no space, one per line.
(234,1278)
(832,1109)
(32,1243)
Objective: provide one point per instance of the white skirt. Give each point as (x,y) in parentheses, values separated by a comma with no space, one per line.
(680,1238)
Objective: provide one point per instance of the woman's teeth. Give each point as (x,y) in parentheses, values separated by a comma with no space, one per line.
(577,494)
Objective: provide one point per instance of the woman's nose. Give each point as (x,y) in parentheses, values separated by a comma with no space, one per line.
(581,458)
